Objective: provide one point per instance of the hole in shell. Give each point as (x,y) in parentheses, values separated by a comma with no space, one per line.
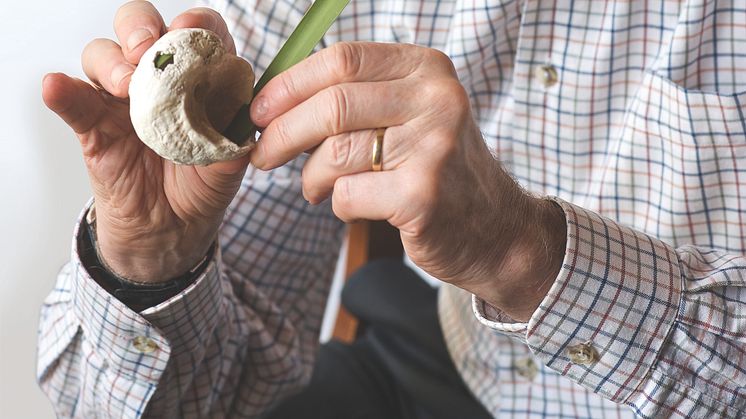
(200,91)
(219,101)
(214,95)
(162,60)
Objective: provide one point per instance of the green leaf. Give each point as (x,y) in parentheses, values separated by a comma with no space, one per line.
(317,20)
(163,60)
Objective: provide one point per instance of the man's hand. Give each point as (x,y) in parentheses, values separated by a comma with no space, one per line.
(462,218)
(154,219)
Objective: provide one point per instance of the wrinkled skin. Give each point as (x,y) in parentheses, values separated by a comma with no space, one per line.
(155,219)
(461,216)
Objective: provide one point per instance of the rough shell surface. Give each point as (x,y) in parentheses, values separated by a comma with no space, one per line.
(174,110)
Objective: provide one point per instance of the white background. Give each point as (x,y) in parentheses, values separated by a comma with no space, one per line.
(42,179)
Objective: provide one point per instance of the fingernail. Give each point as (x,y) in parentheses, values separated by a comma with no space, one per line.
(260,107)
(137,37)
(120,72)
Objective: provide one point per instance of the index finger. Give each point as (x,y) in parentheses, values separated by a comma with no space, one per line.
(137,25)
(343,62)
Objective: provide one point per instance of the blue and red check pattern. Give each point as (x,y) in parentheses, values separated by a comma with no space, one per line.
(643,141)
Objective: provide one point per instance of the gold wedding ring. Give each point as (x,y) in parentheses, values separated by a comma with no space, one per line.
(377,159)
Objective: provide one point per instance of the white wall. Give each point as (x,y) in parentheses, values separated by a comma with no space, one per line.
(42,178)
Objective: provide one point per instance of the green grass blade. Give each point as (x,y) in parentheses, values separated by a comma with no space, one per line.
(312,27)
(163,60)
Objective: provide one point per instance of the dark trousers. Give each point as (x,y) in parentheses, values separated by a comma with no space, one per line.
(398,368)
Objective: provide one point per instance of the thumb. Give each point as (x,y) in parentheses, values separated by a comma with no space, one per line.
(75,101)
(94,116)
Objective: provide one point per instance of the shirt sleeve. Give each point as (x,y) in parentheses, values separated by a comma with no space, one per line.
(640,322)
(241,336)
(244,334)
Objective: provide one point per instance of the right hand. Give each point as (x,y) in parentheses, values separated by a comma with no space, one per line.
(154,219)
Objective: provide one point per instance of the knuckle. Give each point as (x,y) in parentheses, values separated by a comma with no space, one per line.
(455,91)
(287,86)
(346,57)
(339,107)
(459,99)
(341,150)
(448,89)
(437,55)
(432,92)
(440,60)
(282,134)
(449,97)
(423,201)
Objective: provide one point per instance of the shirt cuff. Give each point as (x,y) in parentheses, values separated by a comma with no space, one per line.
(139,345)
(607,315)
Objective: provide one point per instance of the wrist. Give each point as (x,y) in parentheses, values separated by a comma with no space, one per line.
(533,260)
(151,257)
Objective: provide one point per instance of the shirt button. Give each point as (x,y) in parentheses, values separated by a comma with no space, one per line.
(144,344)
(526,368)
(547,75)
(582,354)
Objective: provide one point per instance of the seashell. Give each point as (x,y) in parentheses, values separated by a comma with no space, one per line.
(179,109)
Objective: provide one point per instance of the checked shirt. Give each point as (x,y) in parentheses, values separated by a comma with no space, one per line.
(630,113)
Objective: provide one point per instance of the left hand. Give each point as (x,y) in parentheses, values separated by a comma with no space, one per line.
(462,218)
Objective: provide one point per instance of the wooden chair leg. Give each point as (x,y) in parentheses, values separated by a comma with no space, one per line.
(345,328)
(367,240)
